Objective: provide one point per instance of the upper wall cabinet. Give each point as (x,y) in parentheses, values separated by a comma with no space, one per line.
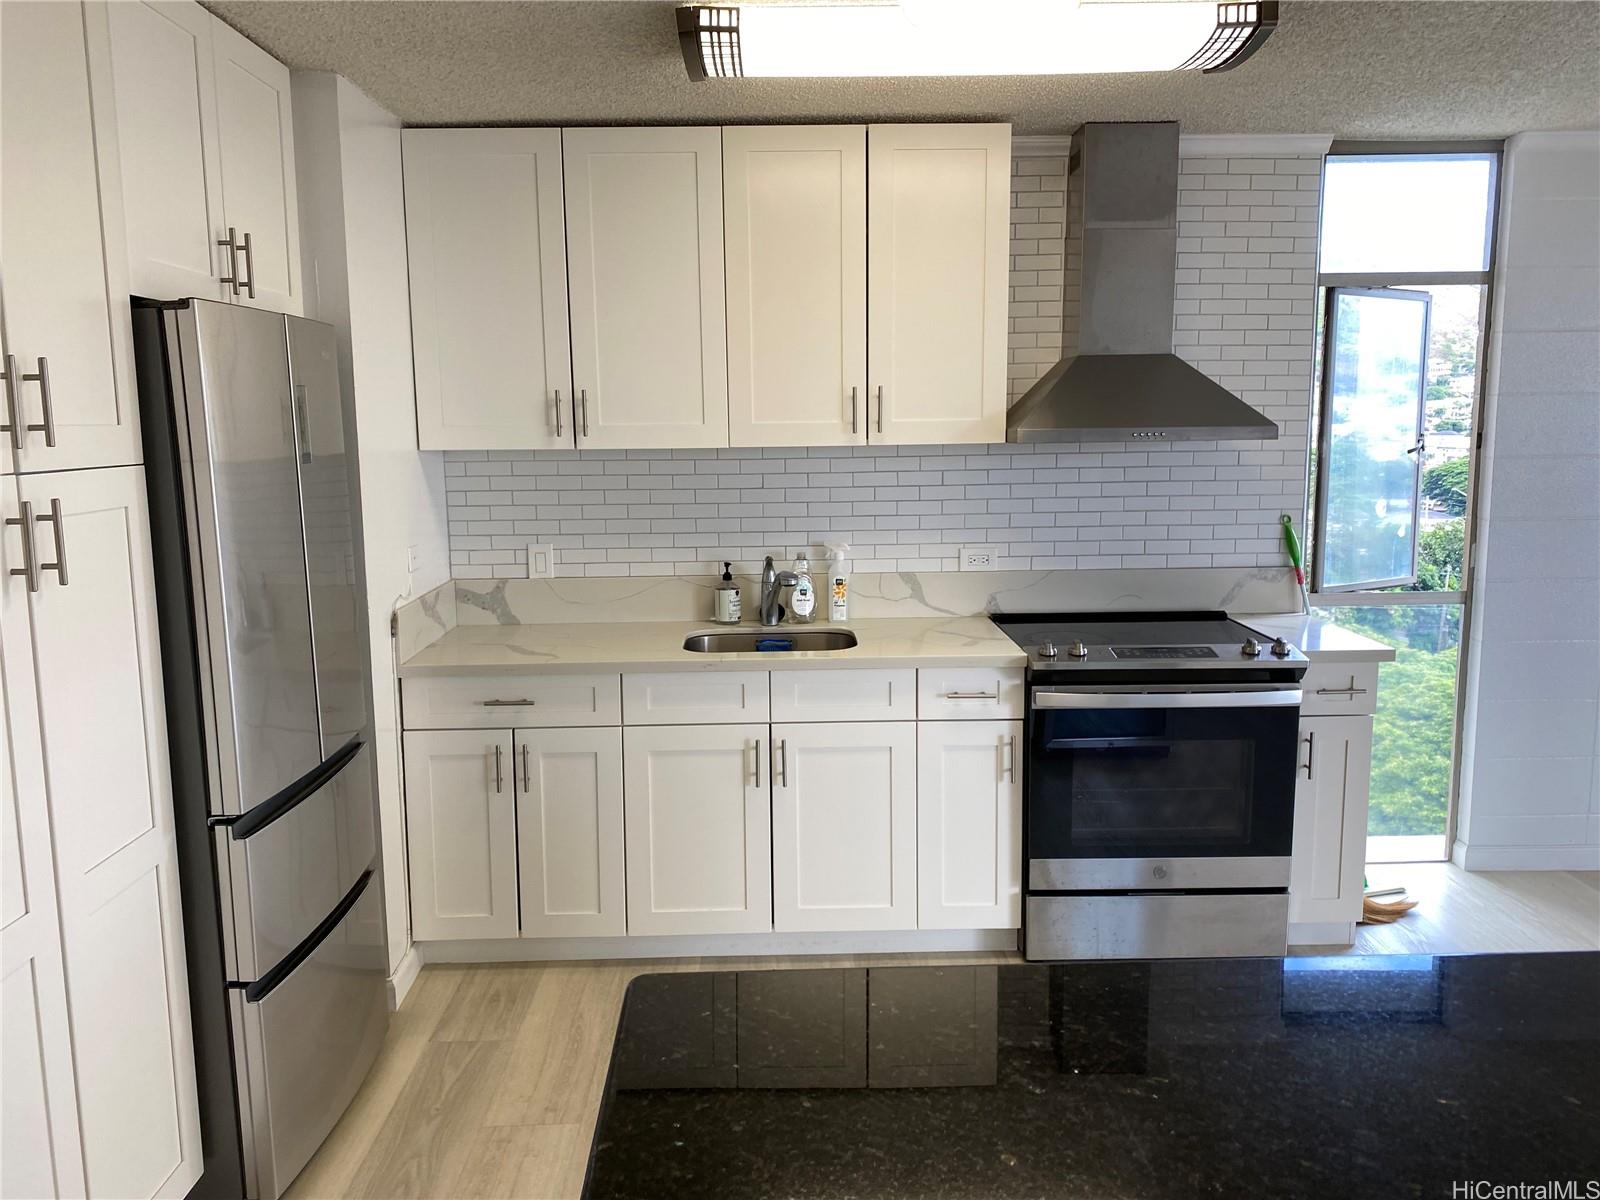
(795,210)
(938,214)
(644,247)
(487,247)
(68,398)
(204,136)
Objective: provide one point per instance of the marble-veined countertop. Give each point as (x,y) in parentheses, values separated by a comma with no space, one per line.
(1319,640)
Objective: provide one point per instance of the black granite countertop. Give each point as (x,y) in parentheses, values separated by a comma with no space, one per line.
(1328,1077)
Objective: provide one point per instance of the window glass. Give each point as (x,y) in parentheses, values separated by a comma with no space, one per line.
(1406,212)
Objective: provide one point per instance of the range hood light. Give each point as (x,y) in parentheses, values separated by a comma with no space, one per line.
(956,37)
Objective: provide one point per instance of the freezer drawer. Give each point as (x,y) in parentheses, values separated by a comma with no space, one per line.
(283,877)
(309,1034)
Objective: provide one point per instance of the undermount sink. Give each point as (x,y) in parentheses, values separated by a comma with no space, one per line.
(770,641)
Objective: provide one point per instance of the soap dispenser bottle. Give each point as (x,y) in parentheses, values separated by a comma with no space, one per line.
(729,608)
(803,602)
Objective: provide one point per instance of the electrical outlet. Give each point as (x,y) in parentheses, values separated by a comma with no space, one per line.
(541,560)
(979,558)
(413,559)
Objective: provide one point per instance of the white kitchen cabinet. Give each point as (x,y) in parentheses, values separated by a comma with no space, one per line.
(204,139)
(645,277)
(461,827)
(969,825)
(40,1147)
(938,223)
(507,701)
(1330,821)
(795,211)
(698,829)
(859,694)
(844,826)
(569,832)
(69,389)
(486,238)
(255,135)
(695,697)
(107,783)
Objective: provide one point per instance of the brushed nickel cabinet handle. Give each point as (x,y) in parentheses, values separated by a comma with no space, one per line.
(47,406)
(527,777)
(880,408)
(1009,770)
(499,778)
(523,703)
(558,412)
(29,569)
(250,267)
(12,425)
(972,695)
(60,564)
(1349,690)
(782,772)
(758,762)
(1311,752)
(583,404)
(853,410)
(231,245)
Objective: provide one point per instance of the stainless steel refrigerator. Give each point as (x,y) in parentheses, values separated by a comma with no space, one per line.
(249,449)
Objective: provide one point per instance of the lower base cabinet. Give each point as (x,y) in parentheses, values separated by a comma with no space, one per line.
(1330,820)
(969,825)
(461,822)
(697,829)
(844,826)
(569,832)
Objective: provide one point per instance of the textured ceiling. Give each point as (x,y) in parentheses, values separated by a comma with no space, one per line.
(1363,69)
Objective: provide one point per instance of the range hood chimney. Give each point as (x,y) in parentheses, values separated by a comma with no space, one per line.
(1120,380)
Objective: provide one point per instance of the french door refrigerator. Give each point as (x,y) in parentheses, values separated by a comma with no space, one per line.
(251,470)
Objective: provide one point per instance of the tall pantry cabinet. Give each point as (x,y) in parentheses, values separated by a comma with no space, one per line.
(133,133)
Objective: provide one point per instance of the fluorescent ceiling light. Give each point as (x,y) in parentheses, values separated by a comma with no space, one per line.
(963,37)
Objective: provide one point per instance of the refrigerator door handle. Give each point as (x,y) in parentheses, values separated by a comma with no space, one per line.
(243,825)
(260,989)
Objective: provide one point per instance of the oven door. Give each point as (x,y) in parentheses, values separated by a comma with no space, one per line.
(1133,788)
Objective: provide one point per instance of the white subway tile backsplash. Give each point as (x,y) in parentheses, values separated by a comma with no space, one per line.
(1245,315)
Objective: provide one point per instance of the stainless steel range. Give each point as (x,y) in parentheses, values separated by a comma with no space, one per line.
(1159,785)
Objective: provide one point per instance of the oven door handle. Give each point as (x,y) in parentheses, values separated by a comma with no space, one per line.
(1114,696)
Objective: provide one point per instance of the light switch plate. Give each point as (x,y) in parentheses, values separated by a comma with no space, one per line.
(541,560)
(979,558)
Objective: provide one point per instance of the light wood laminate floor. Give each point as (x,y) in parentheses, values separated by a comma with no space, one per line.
(489,1083)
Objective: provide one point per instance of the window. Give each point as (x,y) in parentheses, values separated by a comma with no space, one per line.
(1405,252)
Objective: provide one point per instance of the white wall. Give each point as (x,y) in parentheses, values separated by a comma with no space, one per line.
(1245,315)
(1530,781)
(352,225)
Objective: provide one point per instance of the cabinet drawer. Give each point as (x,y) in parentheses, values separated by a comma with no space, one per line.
(1340,689)
(978,693)
(511,701)
(844,695)
(683,698)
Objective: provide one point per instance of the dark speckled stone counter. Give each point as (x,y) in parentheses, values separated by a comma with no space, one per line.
(1319,1077)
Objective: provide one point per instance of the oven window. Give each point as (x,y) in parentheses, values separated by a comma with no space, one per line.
(1162,791)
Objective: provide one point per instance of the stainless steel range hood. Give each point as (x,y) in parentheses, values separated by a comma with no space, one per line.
(1120,380)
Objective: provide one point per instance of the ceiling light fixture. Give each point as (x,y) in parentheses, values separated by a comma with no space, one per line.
(958,37)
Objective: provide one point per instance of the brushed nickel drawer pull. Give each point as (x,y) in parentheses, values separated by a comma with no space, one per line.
(758,762)
(60,564)
(47,406)
(880,408)
(558,412)
(524,703)
(853,427)
(1009,771)
(12,425)
(1350,690)
(527,777)
(972,695)
(231,245)
(583,407)
(783,762)
(250,268)
(499,778)
(1311,751)
(29,569)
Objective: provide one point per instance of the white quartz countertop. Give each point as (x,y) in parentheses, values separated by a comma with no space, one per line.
(658,646)
(1318,640)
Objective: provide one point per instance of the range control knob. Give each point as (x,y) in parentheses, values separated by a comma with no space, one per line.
(1047,650)
(1077,649)
(1281,648)
(1251,648)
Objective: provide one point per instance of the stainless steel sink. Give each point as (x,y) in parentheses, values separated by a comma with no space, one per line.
(770,641)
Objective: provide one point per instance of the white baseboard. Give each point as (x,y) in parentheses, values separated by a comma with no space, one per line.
(404,976)
(907,941)
(1525,858)
(1322,933)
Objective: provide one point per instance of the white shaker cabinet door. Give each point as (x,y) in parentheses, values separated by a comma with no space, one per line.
(108,783)
(644,252)
(461,826)
(698,825)
(1330,820)
(255,137)
(72,396)
(969,825)
(844,826)
(938,264)
(164,94)
(486,238)
(40,1152)
(569,832)
(795,209)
